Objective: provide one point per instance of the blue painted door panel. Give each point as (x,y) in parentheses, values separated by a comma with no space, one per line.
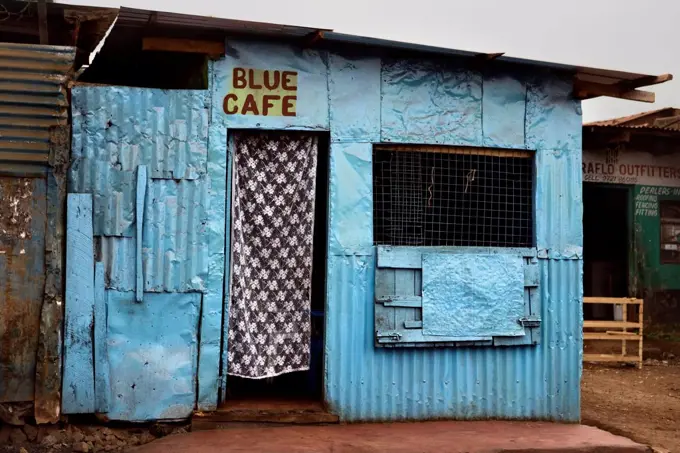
(440,296)
(152,355)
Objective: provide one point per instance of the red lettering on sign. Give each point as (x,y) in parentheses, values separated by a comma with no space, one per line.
(251,81)
(267,101)
(239,78)
(250,106)
(227,109)
(272,85)
(288,108)
(287,83)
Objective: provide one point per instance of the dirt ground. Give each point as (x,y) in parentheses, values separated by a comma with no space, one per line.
(643,405)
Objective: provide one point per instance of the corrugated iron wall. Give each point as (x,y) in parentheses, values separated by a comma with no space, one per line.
(32,99)
(373,100)
(116,129)
(368,383)
(152,370)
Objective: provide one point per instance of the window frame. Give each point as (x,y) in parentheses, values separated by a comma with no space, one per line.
(464,150)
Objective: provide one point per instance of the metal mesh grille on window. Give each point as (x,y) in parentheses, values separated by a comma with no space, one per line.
(456,197)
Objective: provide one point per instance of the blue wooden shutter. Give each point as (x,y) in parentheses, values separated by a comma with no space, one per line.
(445,296)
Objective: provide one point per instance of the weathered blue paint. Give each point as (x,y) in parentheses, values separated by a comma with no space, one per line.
(174,248)
(429,102)
(152,353)
(406,257)
(368,383)
(152,228)
(354,97)
(102,383)
(115,129)
(78,376)
(217,239)
(504,105)
(140,200)
(440,103)
(186,245)
(22,281)
(174,245)
(351,211)
(473,294)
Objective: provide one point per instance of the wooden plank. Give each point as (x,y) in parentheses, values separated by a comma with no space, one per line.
(587,90)
(531,277)
(470,150)
(404,286)
(400,301)
(415,337)
(139,219)
(42,22)
(610,324)
(211,48)
(102,387)
(78,376)
(645,81)
(641,319)
(535,311)
(412,257)
(413,324)
(384,285)
(48,375)
(612,300)
(613,336)
(610,358)
(625,319)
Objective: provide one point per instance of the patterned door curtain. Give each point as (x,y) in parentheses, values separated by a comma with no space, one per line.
(273,195)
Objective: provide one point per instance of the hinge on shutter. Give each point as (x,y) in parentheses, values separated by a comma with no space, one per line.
(530,321)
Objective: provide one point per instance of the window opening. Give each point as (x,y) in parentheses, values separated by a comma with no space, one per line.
(670,231)
(441,196)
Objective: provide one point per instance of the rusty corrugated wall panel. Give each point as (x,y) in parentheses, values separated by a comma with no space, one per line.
(32,99)
(22,277)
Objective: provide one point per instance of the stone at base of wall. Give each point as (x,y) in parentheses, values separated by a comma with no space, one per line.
(80,438)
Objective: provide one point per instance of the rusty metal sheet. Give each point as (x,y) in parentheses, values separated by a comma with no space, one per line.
(34,99)
(22,277)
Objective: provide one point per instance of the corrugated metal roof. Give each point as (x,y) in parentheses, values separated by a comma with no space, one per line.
(665,119)
(32,99)
(130,17)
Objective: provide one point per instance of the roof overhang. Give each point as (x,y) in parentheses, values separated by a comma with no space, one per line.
(588,82)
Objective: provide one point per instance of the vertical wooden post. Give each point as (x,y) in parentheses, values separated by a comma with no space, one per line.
(624,308)
(42,22)
(641,320)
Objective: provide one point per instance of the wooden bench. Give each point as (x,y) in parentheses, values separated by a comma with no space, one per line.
(622,331)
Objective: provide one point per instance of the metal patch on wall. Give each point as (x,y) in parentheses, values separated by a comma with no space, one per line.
(22,280)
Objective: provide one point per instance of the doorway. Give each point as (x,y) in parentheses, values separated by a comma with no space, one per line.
(606,245)
(279,392)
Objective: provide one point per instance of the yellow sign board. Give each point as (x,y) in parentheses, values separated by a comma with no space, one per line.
(265,92)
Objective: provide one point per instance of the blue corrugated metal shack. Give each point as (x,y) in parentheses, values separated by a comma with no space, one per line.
(440,231)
